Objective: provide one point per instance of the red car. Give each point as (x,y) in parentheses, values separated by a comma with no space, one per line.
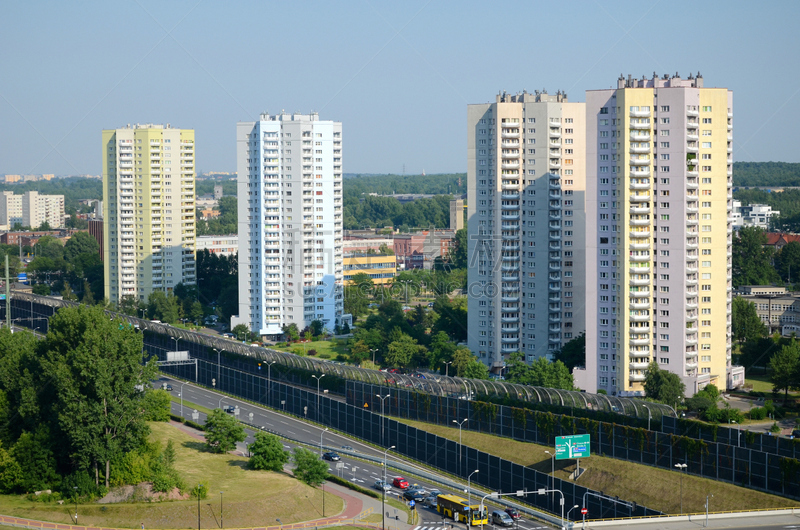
(400,482)
(514,514)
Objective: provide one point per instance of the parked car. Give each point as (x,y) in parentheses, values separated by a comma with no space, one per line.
(400,482)
(431,501)
(513,513)
(502,518)
(230,409)
(415,496)
(382,486)
(330,455)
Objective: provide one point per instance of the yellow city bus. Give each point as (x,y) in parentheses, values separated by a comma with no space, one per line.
(456,508)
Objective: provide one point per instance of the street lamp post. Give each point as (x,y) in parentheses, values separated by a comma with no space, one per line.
(320,440)
(383,490)
(180,393)
(546,491)
(76,503)
(469,497)
(682,468)
(221,525)
(269,381)
(318,380)
(459,440)
(738,431)
(570,510)
(176,339)
(373,350)
(382,398)
(220,350)
(219,406)
(143,312)
(447,368)
(552,470)
(709,496)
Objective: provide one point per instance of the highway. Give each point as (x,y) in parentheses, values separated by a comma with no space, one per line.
(361,472)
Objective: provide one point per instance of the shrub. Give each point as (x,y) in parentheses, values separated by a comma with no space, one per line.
(775,428)
(173,417)
(156,405)
(200,491)
(312,352)
(193,425)
(758,413)
(355,487)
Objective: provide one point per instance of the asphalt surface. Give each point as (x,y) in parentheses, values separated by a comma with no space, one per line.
(361,472)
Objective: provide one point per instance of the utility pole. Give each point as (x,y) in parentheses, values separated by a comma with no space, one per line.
(8,297)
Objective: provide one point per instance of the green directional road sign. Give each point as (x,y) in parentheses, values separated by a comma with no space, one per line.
(576,446)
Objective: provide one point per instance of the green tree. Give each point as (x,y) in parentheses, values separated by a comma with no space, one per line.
(80,243)
(35,457)
(785,370)
(267,452)
(163,307)
(458,253)
(359,352)
(788,262)
(94,372)
(316,327)
(241,332)
(196,312)
(404,352)
(157,405)
(308,467)
(10,472)
(573,353)
(49,247)
(663,385)
(752,261)
(442,350)
(291,332)
(451,317)
(746,324)
(223,432)
(357,294)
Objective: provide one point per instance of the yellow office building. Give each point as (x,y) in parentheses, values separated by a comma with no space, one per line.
(148,210)
(380,268)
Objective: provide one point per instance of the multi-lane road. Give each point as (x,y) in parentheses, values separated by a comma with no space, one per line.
(362,472)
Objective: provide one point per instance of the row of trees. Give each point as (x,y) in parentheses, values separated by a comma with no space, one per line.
(74,406)
(766,173)
(378,211)
(225,223)
(73,269)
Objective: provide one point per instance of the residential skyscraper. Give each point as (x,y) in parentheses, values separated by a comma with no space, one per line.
(31,209)
(658,234)
(148,210)
(526,185)
(290,222)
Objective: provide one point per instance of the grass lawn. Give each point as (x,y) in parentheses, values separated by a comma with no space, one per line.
(251,498)
(325,349)
(759,382)
(648,486)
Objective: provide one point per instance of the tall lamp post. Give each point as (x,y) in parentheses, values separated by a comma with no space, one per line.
(383,490)
(682,468)
(570,510)
(318,380)
(543,491)
(176,339)
(220,350)
(738,431)
(76,504)
(447,368)
(320,440)
(221,525)
(373,350)
(269,381)
(552,471)
(180,393)
(382,398)
(469,497)
(460,423)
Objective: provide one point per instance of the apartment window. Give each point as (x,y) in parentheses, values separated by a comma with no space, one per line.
(706,264)
(663,132)
(706,240)
(665,108)
(665,157)
(706,120)
(706,132)
(706,299)
(706,180)
(665,169)
(706,169)
(664,120)
(706,205)
(706,145)
(665,145)
(604,110)
(707,108)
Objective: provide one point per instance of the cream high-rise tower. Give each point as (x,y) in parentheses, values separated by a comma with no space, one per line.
(658,233)
(148,210)
(526,182)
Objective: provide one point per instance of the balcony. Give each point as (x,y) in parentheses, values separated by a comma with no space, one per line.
(554,144)
(514,206)
(510,155)
(640,161)
(640,246)
(691,339)
(692,173)
(692,112)
(643,172)
(554,288)
(508,349)
(636,377)
(514,329)
(640,137)
(692,222)
(691,354)
(692,149)
(512,299)
(640,329)
(509,134)
(640,234)
(639,185)
(639,209)
(507,164)
(640,126)
(640,197)
(639,222)
(510,145)
(510,196)
(554,245)
(638,366)
(505,186)
(555,194)
(555,340)
(640,281)
(640,113)
(692,136)
(508,340)
(639,353)
(555,164)
(639,150)
(555,133)
(506,216)
(554,236)
(639,257)
(510,320)
(554,297)
(554,214)
(639,304)
(510,124)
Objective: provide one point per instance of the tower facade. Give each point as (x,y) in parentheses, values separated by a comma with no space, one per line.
(658,236)
(526,186)
(290,222)
(148,210)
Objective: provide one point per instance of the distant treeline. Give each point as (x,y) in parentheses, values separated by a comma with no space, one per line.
(375,211)
(442,184)
(72,188)
(766,174)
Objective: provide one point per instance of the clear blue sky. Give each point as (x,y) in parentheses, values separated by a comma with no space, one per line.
(397,74)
